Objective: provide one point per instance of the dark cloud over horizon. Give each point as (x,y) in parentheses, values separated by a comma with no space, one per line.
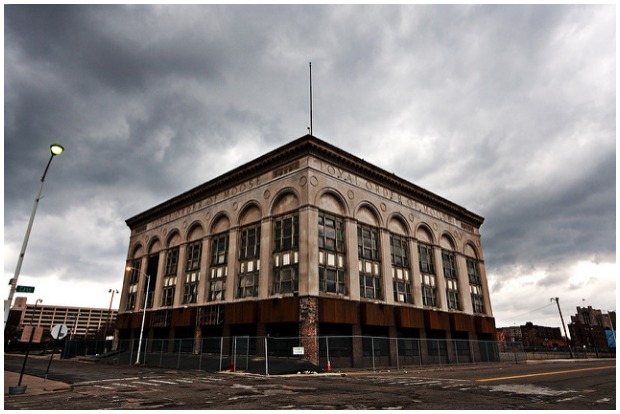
(508,111)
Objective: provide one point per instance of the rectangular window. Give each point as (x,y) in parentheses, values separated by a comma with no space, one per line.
(427,275)
(172,261)
(248,285)
(399,252)
(426,259)
(167,298)
(219,248)
(331,254)
(475,286)
(193,254)
(250,242)
(218,270)
(192,275)
(472,272)
(331,233)
(286,255)
(451,275)
(286,231)
(367,243)
(285,280)
(249,261)
(190,289)
(331,279)
(134,277)
(132,296)
(369,262)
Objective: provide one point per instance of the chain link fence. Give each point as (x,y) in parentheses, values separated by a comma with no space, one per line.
(277,355)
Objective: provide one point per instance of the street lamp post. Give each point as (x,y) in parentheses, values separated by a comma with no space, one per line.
(146,300)
(55,149)
(107,323)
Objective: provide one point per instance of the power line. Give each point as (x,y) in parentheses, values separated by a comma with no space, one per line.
(535,310)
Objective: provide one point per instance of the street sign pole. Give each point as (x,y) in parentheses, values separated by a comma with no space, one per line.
(58,332)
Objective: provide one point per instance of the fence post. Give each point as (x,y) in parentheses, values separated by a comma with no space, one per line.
(329,363)
(372,347)
(456,351)
(161,353)
(221,350)
(131,352)
(420,351)
(397,357)
(235,352)
(266,358)
(179,358)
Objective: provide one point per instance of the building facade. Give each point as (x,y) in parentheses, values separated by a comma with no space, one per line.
(307,240)
(82,322)
(532,336)
(592,329)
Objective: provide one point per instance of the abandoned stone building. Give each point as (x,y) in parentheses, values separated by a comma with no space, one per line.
(307,241)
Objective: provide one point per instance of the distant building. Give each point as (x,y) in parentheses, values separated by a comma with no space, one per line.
(308,240)
(82,322)
(509,334)
(592,329)
(532,336)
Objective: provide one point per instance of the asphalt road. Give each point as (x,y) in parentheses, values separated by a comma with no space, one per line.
(558,385)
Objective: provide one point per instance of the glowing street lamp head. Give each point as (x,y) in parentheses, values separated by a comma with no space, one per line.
(56,149)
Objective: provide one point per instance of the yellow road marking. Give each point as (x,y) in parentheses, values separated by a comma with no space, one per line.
(545,373)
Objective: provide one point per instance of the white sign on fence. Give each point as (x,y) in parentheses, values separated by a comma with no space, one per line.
(298,350)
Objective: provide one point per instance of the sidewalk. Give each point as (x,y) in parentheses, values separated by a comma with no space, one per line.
(35,385)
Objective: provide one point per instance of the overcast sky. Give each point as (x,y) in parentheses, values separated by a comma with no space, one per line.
(508,111)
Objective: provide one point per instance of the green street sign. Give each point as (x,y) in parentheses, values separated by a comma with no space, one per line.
(24,289)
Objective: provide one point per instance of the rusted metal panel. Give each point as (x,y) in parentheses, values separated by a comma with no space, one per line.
(436,320)
(338,311)
(376,314)
(122,321)
(136,320)
(241,312)
(184,317)
(409,317)
(279,310)
(485,325)
(461,322)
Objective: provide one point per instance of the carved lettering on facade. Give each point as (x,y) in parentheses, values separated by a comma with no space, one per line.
(199,205)
(286,169)
(384,192)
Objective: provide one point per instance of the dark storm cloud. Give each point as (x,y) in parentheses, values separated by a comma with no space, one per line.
(508,111)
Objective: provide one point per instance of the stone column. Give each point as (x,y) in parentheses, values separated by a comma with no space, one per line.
(440,279)
(179,287)
(416,285)
(353,281)
(264,275)
(197,339)
(463,283)
(358,353)
(386,266)
(232,265)
(308,252)
(309,328)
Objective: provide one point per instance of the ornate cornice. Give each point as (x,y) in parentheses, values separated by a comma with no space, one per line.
(305,146)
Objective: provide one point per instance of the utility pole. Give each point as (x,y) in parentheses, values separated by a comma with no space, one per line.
(557,301)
